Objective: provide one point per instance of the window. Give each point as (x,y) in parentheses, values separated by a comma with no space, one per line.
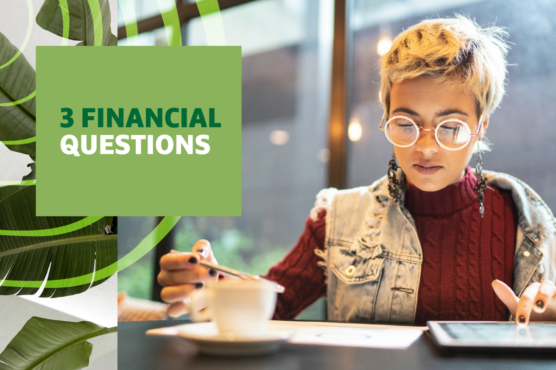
(286,48)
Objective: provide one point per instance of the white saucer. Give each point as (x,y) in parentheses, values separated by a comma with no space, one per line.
(206,336)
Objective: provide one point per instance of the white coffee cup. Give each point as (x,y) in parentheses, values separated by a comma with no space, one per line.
(236,306)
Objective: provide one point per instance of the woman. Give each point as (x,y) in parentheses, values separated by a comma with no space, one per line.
(432,240)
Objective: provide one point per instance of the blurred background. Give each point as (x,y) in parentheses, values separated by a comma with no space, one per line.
(311,113)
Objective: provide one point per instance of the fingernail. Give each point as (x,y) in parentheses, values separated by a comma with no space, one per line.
(540,304)
(192,260)
(199,285)
(521,319)
(212,272)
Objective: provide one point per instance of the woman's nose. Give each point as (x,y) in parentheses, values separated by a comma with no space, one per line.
(426,142)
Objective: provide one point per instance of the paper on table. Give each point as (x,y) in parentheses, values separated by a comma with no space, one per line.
(350,335)
(335,334)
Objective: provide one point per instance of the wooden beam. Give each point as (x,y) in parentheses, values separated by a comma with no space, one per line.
(337,126)
(186,12)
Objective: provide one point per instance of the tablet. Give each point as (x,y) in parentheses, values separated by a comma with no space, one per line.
(493,335)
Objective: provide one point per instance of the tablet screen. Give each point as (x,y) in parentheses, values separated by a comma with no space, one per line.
(494,334)
(504,331)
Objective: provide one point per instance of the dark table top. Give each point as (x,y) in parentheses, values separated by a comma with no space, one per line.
(137,351)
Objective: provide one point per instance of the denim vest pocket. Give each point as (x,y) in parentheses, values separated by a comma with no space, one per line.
(352,268)
(355,281)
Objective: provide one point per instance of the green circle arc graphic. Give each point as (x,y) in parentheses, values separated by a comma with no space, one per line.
(27,36)
(215,37)
(65,33)
(54,231)
(148,243)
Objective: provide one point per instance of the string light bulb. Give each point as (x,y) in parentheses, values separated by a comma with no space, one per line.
(384,45)
(279,137)
(355,131)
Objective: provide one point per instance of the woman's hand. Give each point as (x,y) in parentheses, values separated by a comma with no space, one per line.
(181,274)
(537,303)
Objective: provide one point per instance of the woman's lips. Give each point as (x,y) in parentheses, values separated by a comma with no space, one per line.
(427,168)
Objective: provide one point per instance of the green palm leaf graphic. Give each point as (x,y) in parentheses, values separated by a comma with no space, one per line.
(44,344)
(34,258)
(17,81)
(89,21)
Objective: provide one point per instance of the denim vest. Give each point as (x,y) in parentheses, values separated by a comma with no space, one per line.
(373,256)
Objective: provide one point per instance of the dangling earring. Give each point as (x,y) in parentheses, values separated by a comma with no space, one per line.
(481,181)
(395,186)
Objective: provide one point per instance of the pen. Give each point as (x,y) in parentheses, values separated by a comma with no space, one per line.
(242,275)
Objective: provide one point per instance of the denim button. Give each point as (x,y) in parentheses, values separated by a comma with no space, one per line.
(350,271)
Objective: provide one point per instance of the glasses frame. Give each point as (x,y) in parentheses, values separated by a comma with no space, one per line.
(384,116)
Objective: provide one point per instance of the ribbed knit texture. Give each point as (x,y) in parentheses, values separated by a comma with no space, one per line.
(462,253)
(298,272)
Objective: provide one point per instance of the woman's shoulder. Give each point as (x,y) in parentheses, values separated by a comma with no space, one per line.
(521,191)
(352,197)
(534,214)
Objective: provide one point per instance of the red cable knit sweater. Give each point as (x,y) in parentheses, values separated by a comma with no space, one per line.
(462,254)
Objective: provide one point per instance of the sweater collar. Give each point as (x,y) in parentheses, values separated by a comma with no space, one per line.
(445,201)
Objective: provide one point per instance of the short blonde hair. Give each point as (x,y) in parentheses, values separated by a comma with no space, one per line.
(450,48)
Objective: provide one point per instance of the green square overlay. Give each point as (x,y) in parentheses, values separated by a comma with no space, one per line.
(199,79)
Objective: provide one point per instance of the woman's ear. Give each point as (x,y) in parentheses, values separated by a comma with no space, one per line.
(483,127)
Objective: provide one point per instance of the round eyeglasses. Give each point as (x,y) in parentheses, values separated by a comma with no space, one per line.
(452,134)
